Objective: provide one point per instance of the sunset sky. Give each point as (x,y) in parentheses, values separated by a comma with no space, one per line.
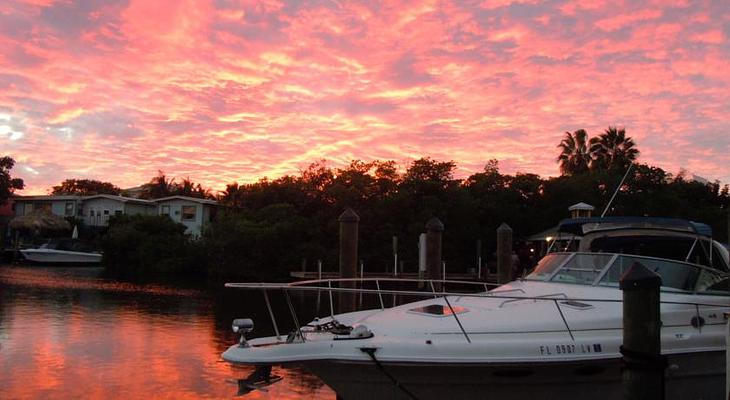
(229,91)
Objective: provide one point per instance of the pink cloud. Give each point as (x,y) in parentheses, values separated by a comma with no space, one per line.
(237,92)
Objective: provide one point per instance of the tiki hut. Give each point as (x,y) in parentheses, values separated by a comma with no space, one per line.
(40,222)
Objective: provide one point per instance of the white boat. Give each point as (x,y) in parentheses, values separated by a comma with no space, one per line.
(554,334)
(63,251)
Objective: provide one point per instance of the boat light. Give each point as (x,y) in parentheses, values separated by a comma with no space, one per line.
(242,326)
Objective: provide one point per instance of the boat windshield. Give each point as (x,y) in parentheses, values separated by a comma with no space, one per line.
(581,268)
(606,269)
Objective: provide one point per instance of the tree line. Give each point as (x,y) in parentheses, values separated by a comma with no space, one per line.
(158,187)
(267,228)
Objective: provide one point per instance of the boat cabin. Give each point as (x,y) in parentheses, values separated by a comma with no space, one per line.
(681,252)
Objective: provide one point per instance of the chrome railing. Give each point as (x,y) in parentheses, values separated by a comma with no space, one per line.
(327,285)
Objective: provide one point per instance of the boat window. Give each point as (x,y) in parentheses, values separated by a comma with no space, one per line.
(671,247)
(713,282)
(547,266)
(583,268)
(674,275)
(438,310)
(718,261)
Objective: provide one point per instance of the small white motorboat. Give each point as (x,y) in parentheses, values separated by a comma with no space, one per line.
(554,334)
(62,251)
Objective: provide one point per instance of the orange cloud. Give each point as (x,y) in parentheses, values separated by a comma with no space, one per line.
(237,91)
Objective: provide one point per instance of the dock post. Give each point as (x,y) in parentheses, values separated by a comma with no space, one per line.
(479,259)
(642,363)
(727,355)
(504,254)
(348,257)
(319,277)
(362,283)
(434,232)
(395,256)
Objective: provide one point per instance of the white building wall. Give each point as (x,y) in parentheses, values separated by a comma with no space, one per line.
(58,207)
(193,226)
(144,209)
(98,211)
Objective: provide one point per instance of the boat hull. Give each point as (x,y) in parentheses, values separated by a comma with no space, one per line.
(689,376)
(49,256)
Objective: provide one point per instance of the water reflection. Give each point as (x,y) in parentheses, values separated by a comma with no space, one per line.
(67,332)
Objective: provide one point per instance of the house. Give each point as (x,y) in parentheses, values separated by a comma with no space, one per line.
(96,210)
(6,214)
(192,212)
(99,208)
(64,206)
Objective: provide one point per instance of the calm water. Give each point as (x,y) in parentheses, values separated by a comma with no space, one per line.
(69,333)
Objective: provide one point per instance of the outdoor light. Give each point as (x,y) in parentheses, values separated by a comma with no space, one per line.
(242,326)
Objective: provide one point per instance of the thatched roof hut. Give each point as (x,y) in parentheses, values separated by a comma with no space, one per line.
(40,221)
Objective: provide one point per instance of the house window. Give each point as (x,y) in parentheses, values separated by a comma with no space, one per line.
(91,212)
(106,212)
(165,210)
(27,208)
(188,213)
(117,212)
(69,211)
(46,207)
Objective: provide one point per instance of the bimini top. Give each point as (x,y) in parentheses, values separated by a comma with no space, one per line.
(582,226)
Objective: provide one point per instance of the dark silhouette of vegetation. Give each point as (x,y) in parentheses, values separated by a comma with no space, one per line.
(611,150)
(147,245)
(248,241)
(575,156)
(269,227)
(85,187)
(162,186)
(8,184)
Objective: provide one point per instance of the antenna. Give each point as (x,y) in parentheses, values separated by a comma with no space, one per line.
(617,189)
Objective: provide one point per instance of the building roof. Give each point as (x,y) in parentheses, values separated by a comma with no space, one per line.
(188,198)
(122,199)
(582,207)
(47,198)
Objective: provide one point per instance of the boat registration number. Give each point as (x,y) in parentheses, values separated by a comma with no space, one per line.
(560,349)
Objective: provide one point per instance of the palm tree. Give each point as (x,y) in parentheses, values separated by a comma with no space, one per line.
(232,196)
(613,150)
(159,186)
(574,156)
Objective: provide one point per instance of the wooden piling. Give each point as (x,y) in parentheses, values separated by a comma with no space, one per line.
(727,355)
(643,364)
(504,254)
(479,259)
(349,221)
(395,256)
(434,232)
